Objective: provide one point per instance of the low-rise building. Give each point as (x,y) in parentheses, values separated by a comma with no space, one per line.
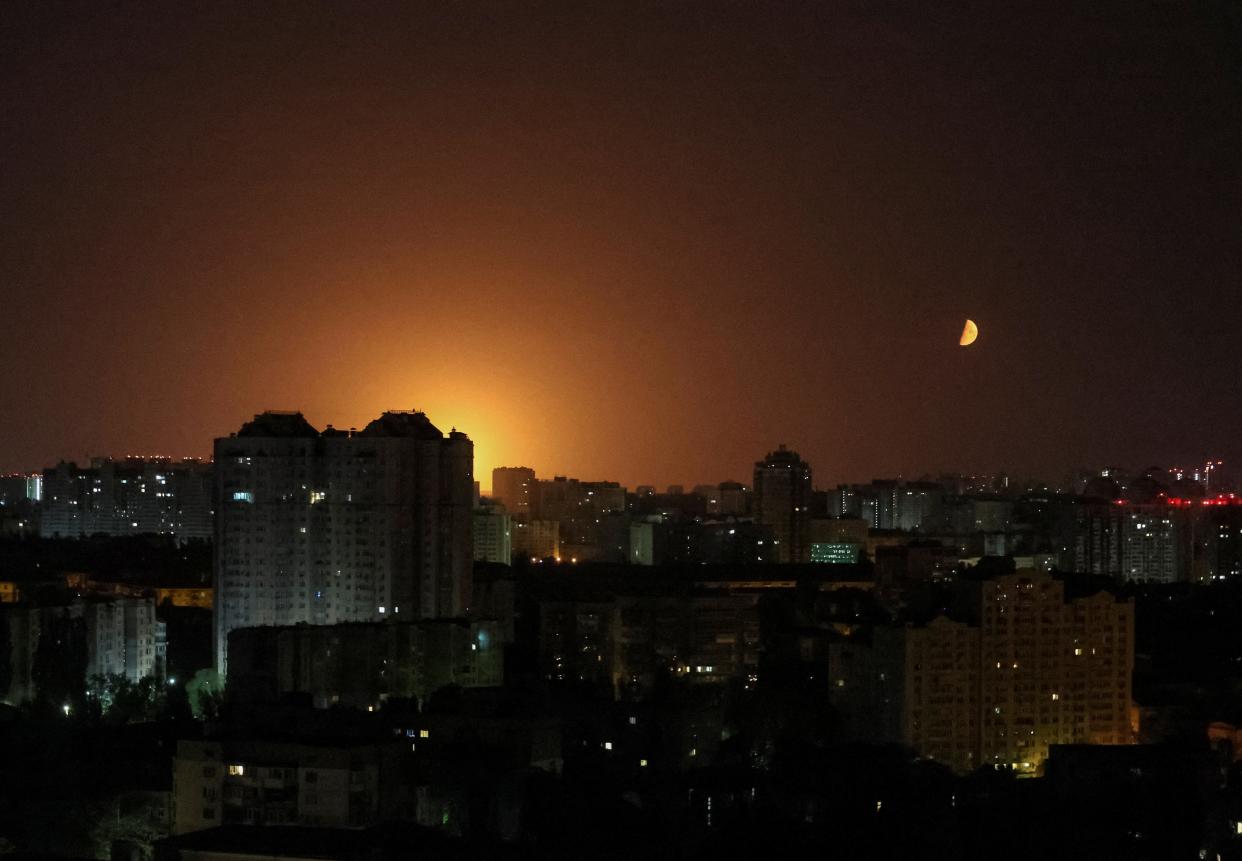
(259,782)
(626,641)
(536,539)
(362,664)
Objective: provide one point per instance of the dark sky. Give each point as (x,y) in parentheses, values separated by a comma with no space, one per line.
(645,242)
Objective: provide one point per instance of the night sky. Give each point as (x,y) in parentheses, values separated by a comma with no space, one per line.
(641,242)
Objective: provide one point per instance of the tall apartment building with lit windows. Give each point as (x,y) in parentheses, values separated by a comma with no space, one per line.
(513,486)
(132,496)
(341,526)
(493,529)
(782,502)
(1032,670)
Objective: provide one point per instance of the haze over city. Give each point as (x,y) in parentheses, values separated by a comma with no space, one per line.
(689,430)
(637,241)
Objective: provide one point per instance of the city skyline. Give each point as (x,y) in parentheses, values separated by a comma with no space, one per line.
(483,470)
(627,431)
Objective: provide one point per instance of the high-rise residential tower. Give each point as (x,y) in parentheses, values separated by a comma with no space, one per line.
(131,496)
(513,486)
(341,526)
(782,502)
(1034,667)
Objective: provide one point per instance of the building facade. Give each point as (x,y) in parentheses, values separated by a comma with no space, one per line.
(782,500)
(123,638)
(536,539)
(493,534)
(1032,671)
(512,486)
(92,639)
(134,496)
(361,665)
(341,526)
(626,642)
(238,782)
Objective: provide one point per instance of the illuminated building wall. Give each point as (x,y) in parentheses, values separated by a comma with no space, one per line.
(835,554)
(1099,539)
(1171,540)
(1035,670)
(493,535)
(642,544)
(1052,671)
(1223,541)
(18,488)
(580,507)
(134,496)
(890,504)
(783,503)
(942,717)
(536,539)
(1155,548)
(121,639)
(185,596)
(241,782)
(512,486)
(114,636)
(341,526)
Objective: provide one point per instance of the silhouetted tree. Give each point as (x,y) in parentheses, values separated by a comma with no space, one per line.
(59,666)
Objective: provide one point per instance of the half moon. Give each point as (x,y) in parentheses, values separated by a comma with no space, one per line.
(969,333)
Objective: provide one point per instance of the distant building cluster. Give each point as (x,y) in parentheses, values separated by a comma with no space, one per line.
(134,496)
(374,646)
(1143,533)
(20,495)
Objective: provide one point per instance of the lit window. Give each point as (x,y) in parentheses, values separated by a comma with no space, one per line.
(243,496)
(424,733)
(607,745)
(317,496)
(237,770)
(642,763)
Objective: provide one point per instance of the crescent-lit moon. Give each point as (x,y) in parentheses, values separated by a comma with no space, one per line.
(969,333)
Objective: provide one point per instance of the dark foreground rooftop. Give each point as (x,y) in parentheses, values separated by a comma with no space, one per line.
(380,842)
